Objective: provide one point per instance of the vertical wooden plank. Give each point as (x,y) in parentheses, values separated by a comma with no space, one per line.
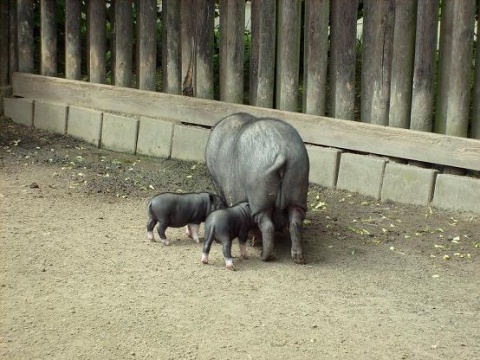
(203,73)
(4,38)
(475,131)
(456,44)
(288,55)
(262,61)
(343,59)
(172,47)
(13,39)
(146,44)
(232,33)
(377,49)
(187,24)
(123,41)
(73,58)
(48,38)
(402,63)
(25,35)
(424,66)
(315,56)
(96,39)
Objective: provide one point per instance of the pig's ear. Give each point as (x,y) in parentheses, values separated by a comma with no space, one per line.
(211,198)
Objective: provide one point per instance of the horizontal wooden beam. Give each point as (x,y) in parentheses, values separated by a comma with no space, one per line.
(349,135)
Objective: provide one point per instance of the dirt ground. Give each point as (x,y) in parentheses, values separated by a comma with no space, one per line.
(80,280)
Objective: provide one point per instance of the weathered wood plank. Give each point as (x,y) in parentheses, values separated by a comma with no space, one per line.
(203,73)
(4,38)
(288,55)
(13,40)
(187,29)
(424,66)
(356,136)
(96,39)
(123,42)
(146,44)
(262,57)
(73,57)
(315,56)
(172,48)
(25,35)
(379,16)
(456,40)
(475,131)
(402,63)
(232,32)
(48,38)
(342,59)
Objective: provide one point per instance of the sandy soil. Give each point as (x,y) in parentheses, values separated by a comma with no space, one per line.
(79,280)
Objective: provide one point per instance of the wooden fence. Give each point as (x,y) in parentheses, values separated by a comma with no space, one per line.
(301,56)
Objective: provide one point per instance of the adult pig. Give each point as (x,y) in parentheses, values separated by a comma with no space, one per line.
(262,161)
(176,210)
(225,225)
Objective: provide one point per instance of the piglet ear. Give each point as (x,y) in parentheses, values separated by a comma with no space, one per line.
(211,198)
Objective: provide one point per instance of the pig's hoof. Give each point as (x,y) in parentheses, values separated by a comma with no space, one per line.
(298,258)
(230,267)
(197,240)
(165,242)
(267,257)
(205,258)
(244,256)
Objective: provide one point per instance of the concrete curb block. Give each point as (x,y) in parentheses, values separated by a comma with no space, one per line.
(85,124)
(50,116)
(324,163)
(454,192)
(155,137)
(20,110)
(408,184)
(189,142)
(361,174)
(119,133)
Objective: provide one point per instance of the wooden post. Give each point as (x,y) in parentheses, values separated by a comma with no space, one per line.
(475,131)
(316,56)
(232,33)
(4,38)
(25,35)
(48,38)
(288,55)
(377,49)
(146,44)
(96,39)
(187,29)
(172,48)
(13,39)
(456,40)
(402,63)
(343,59)
(262,62)
(122,49)
(73,57)
(203,73)
(424,66)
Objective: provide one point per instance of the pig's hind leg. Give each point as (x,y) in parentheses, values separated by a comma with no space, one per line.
(242,241)
(150,226)
(192,232)
(295,217)
(162,226)
(227,251)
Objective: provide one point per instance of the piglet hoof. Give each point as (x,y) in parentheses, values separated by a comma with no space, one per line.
(150,236)
(165,242)
(188,232)
(267,257)
(229,264)
(298,258)
(205,258)
(244,256)
(197,240)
